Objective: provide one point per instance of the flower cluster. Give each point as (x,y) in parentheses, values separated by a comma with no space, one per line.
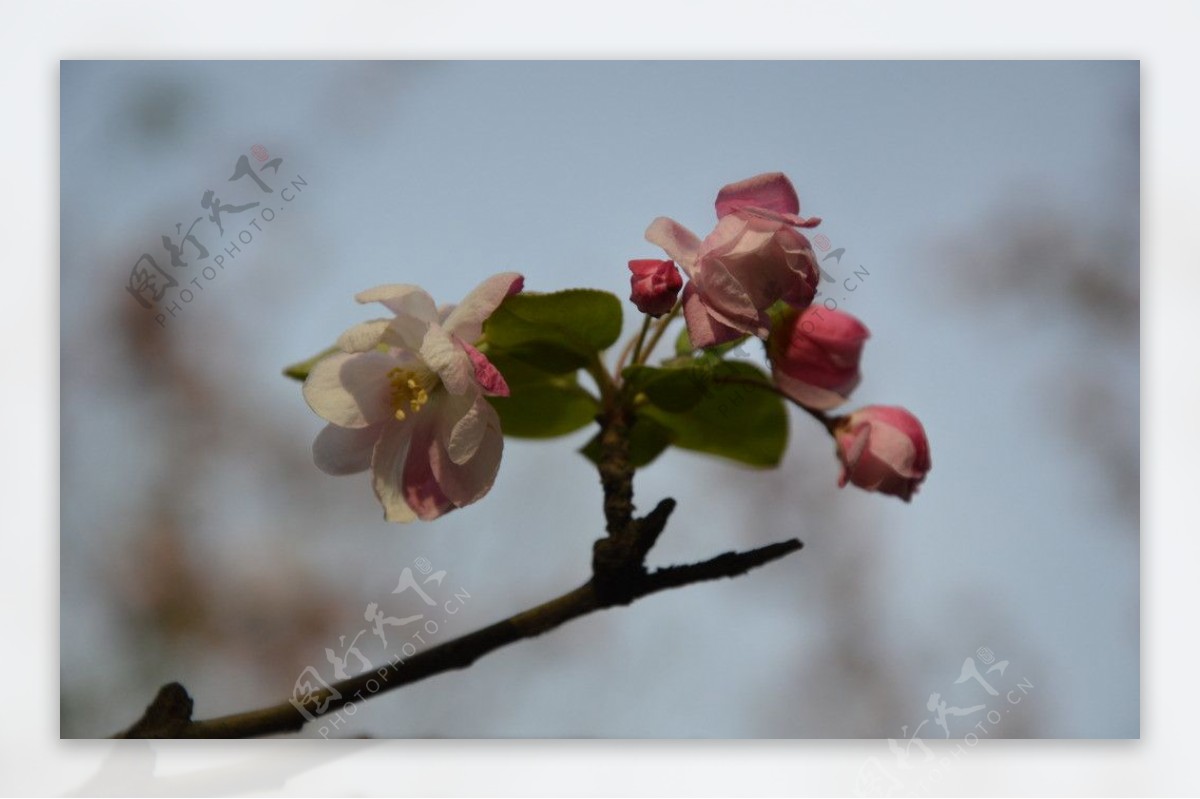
(755,260)
(416,399)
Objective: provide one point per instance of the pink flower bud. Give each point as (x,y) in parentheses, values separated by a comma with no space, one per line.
(814,355)
(656,284)
(883,448)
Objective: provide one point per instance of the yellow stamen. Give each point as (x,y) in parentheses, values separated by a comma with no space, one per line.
(410,389)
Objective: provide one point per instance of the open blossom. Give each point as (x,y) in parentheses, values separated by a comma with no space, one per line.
(754,258)
(883,448)
(655,285)
(814,355)
(406,399)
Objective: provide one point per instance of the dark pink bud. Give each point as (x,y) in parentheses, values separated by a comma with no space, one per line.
(814,355)
(655,284)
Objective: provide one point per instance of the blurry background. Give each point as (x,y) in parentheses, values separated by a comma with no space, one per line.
(990,211)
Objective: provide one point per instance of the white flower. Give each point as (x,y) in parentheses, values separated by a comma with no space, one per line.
(406,399)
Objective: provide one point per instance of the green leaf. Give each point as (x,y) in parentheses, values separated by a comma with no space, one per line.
(545,411)
(540,404)
(299,371)
(558,332)
(672,389)
(647,440)
(732,420)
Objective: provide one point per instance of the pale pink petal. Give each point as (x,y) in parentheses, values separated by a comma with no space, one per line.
(853,446)
(761,271)
(898,438)
(462,421)
(421,490)
(872,473)
(803,262)
(351,390)
(771,191)
(466,320)
(678,242)
(814,396)
(486,375)
(727,299)
(445,355)
(704,329)
(892,446)
(738,235)
(469,481)
(364,337)
(403,299)
(345,450)
(406,333)
(387,472)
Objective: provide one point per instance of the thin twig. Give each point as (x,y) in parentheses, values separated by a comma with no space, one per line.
(659,329)
(635,344)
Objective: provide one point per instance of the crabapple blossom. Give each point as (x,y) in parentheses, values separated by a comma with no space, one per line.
(406,398)
(754,258)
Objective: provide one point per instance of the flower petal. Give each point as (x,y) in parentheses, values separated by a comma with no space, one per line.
(364,337)
(466,320)
(680,243)
(345,450)
(853,446)
(469,481)
(422,493)
(771,191)
(387,472)
(462,423)
(727,300)
(898,438)
(704,329)
(768,196)
(486,375)
(811,395)
(445,355)
(351,390)
(403,299)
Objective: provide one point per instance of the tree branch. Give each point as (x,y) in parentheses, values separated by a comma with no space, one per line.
(169,715)
(619,577)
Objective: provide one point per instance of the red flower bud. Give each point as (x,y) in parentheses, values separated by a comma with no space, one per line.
(656,284)
(814,355)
